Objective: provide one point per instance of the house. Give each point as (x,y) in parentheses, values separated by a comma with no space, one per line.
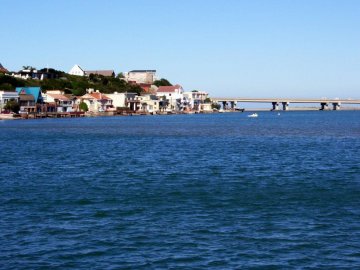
(121,100)
(173,95)
(30,99)
(6,96)
(196,98)
(62,102)
(2,69)
(34,74)
(97,102)
(148,103)
(106,73)
(35,91)
(27,103)
(141,76)
(77,71)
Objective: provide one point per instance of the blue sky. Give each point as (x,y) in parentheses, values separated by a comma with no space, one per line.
(257,48)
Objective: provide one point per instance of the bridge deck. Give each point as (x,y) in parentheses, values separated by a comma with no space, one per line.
(288,100)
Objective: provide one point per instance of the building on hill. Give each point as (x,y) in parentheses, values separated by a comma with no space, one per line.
(141,76)
(106,73)
(77,71)
(34,74)
(2,69)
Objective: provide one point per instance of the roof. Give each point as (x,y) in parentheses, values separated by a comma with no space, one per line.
(99,96)
(2,69)
(26,97)
(168,88)
(59,97)
(142,70)
(77,66)
(107,73)
(35,91)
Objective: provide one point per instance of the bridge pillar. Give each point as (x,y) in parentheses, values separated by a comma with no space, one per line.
(224,105)
(275,106)
(285,106)
(324,106)
(336,106)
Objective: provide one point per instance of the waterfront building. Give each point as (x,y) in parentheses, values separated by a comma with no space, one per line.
(30,99)
(6,96)
(121,100)
(195,98)
(148,103)
(173,95)
(97,102)
(61,102)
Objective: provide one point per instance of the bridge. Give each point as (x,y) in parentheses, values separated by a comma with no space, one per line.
(275,102)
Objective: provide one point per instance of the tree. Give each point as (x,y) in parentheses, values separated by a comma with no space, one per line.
(12,105)
(207,100)
(83,106)
(29,68)
(215,106)
(120,76)
(162,82)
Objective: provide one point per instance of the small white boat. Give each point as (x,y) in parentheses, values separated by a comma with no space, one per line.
(253,115)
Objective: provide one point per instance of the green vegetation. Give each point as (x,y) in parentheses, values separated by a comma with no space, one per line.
(162,82)
(207,100)
(83,106)
(76,85)
(12,106)
(215,106)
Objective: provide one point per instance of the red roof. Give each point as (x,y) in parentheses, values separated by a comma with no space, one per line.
(99,96)
(59,97)
(168,88)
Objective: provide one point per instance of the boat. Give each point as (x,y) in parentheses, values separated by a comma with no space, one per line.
(253,115)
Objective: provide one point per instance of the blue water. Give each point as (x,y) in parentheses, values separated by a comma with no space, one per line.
(218,191)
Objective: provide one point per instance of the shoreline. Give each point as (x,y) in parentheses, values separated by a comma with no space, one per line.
(107,114)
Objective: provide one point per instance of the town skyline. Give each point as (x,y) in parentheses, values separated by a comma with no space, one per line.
(240,48)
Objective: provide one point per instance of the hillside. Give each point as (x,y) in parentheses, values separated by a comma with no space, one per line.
(71,84)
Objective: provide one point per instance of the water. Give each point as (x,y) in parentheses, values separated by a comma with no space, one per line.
(218,191)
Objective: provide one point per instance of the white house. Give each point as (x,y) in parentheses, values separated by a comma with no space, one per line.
(173,95)
(5,96)
(195,98)
(77,70)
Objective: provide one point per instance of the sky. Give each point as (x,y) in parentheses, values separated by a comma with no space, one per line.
(232,48)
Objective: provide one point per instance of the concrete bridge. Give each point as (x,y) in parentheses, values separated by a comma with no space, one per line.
(275,102)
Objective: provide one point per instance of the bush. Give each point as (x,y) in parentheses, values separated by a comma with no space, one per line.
(12,105)
(83,106)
